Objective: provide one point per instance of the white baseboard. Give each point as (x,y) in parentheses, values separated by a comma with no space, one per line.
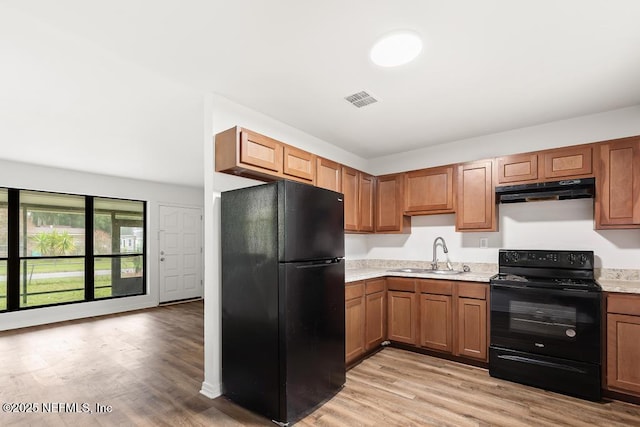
(211,390)
(61,313)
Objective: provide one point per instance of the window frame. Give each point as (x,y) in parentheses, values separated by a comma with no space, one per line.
(15,258)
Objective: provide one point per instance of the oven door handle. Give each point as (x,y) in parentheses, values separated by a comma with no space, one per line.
(495,286)
(541,363)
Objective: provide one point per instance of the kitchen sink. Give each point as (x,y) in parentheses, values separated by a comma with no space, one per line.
(411,270)
(425,271)
(445,272)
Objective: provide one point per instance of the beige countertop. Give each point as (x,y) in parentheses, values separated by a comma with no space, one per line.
(626,286)
(356,274)
(365,273)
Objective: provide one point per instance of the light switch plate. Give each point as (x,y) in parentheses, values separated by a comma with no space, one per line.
(484,242)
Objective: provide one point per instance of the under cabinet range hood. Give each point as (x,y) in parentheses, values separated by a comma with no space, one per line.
(557,190)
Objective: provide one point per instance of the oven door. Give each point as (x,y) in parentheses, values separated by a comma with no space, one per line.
(554,322)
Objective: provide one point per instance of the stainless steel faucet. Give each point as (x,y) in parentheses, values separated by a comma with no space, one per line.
(434,262)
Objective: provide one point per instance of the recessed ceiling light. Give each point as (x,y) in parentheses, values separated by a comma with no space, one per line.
(396,48)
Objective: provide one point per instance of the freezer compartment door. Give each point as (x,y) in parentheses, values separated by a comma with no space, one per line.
(311,223)
(312,335)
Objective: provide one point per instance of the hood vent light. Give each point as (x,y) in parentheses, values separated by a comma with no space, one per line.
(361,99)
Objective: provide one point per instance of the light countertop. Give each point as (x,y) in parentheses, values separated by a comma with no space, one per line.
(365,273)
(355,274)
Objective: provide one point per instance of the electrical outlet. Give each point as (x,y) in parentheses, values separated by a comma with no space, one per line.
(484,242)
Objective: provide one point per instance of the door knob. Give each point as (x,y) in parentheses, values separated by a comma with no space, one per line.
(162,259)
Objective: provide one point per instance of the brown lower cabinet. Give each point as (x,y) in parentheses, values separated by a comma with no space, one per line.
(402,310)
(447,316)
(436,315)
(623,343)
(365,317)
(375,308)
(354,320)
(472,328)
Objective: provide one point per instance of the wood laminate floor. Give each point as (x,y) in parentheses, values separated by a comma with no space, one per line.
(148,366)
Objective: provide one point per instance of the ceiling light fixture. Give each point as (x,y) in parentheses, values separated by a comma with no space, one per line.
(396,48)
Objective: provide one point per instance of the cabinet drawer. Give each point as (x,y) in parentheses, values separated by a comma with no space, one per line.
(472,290)
(400,284)
(353,290)
(623,304)
(375,285)
(440,287)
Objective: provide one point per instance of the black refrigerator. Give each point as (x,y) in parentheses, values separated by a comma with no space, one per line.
(283,317)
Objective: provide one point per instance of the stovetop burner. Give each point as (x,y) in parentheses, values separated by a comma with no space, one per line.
(546,269)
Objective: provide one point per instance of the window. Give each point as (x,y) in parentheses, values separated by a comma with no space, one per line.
(4,235)
(118,236)
(52,242)
(61,248)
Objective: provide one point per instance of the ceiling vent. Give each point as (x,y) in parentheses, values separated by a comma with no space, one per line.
(361,99)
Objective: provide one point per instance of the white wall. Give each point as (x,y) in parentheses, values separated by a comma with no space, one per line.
(32,177)
(541,225)
(562,224)
(66,102)
(579,130)
(224,115)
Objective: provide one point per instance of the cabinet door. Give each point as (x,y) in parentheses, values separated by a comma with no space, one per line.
(350,181)
(476,208)
(567,162)
(367,200)
(299,164)
(517,168)
(328,174)
(261,151)
(389,202)
(429,190)
(618,184)
(436,322)
(402,317)
(472,328)
(376,319)
(623,353)
(354,328)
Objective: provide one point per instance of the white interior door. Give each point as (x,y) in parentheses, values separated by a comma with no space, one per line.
(180,253)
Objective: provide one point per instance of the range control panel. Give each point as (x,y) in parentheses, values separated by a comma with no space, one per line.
(546,259)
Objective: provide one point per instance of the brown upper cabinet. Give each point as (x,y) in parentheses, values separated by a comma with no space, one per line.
(476,207)
(350,186)
(359,197)
(549,165)
(299,164)
(618,184)
(243,152)
(367,200)
(389,203)
(570,162)
(429,191)
(328,174)
(517,168)
(384,204)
